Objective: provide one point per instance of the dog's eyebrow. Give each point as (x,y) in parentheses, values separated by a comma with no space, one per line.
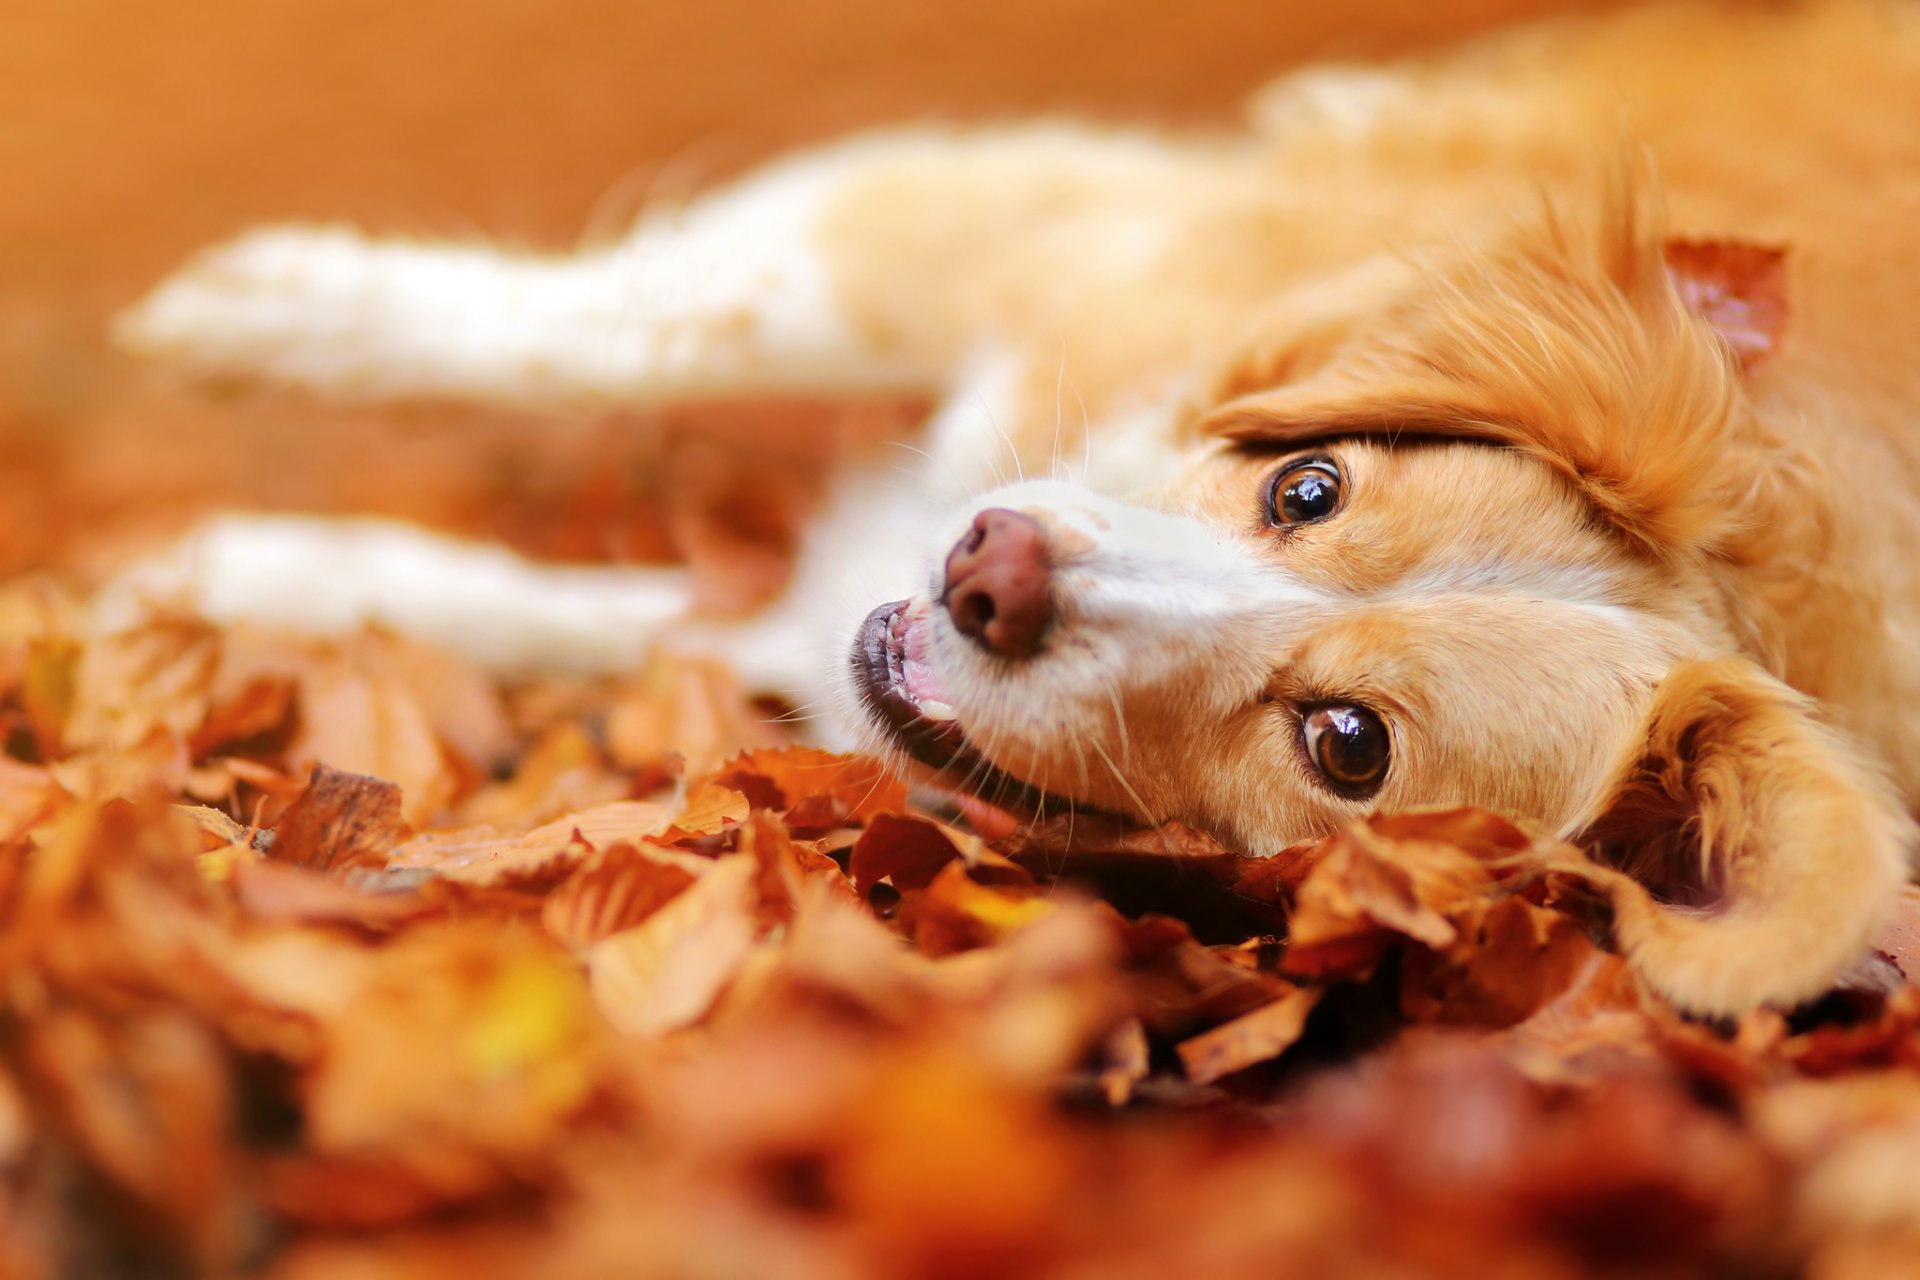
(1390,436)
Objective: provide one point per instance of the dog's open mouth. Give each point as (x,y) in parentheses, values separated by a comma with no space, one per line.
(894,674)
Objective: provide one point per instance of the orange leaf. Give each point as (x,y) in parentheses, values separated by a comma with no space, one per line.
(341,820)
(667,972)
(831,790)
(614,889)
(1254,1037)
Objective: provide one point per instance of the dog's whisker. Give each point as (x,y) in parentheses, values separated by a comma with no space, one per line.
(1146,814)
(1086,427)
(1120,722)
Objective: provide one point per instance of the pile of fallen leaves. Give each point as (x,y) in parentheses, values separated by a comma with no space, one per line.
(338,959)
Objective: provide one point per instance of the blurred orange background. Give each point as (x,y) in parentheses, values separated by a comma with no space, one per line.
(137,132)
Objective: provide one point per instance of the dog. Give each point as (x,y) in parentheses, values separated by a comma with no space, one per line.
(1533,426)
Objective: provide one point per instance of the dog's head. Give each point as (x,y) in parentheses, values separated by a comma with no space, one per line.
(1504,529)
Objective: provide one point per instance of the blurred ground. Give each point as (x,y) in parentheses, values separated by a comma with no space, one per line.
(137,133)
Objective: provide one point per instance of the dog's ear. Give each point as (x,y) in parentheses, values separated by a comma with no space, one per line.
(1617,357)
(1761,851)
(1737,289)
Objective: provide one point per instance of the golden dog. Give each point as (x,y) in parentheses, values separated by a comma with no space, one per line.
(1535,427)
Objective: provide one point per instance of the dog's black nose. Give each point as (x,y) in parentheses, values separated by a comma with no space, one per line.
(997,583)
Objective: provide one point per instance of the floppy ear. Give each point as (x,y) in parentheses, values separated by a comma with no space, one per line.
(1762,851)
(1738,290)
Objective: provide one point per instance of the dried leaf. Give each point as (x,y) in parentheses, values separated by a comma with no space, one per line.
(27,795)
(1399,875)
(613,890)
(281,893)
(1251,1038)
(1180,987)
(667,972)
(341,820)
(374,725)
(1510,960)
(686,709)
(262,706)
(953,912)
(819,789)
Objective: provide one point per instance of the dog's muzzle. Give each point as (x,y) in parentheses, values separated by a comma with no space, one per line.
(896,683)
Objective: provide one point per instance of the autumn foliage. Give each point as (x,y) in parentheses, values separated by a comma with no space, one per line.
(329,959)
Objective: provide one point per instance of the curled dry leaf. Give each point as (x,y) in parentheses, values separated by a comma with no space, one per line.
(262,706)
(615,889)
(1400,875)
(1181,987)
(372,723)
(545,856)
(687,710)
(952,912)
(1251,1038)
(667,972)
(341,820)
(1509,959)
(27,797)
(816,789)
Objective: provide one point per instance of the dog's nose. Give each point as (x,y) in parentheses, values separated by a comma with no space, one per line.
(997,583)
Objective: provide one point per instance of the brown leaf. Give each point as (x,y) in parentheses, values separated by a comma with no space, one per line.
(341,820)
(132,684)
(1400,875)
(1510,959)
(910,851)
(621,821)
(1180,987)
(708,810)
(952,912)
(262,706)
(788,870)
(1254,1037)
(1594,1027)
(27,795)
(827,790)
(667,972)
(685,708)
(614,889)
(281,893)
(372,724)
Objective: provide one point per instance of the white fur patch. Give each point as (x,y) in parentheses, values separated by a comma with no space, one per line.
(333,575)
(729,295)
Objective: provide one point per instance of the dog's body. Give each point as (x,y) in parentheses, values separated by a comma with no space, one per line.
(1456,470)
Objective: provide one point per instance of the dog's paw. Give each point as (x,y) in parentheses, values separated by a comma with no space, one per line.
(279,303)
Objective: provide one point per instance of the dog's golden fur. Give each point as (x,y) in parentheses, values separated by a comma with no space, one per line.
(1607,326)
(1507,283)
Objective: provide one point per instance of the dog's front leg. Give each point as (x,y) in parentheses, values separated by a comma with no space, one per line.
(725,297)
(334,574)
(880,264)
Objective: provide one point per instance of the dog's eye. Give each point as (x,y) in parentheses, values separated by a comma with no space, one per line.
(1303,491)
(1349,745)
